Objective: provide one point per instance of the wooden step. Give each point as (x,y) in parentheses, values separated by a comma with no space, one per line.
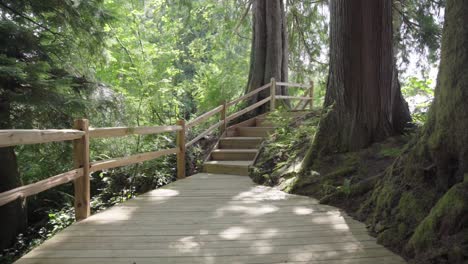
(296,113)
(255,131)
(240,142)
(233,154)
(232,167)
(263,122)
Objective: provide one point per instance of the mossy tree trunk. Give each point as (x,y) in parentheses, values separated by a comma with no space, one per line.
(269,53)
(421,205)
(13,215)
(363,100)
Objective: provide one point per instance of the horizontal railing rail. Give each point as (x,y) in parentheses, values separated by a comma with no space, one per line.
(13,137)
(40,186)
(107,132)
(81,134)
(293,85)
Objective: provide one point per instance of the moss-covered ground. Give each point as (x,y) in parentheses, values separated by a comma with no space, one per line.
(382,185)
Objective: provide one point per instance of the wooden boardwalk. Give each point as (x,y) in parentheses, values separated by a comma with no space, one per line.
(214,218)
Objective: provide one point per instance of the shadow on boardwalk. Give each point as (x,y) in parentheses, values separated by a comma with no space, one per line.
(212,218)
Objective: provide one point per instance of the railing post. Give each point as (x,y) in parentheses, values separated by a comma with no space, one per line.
(273,94)
(180,140)
(311,94)
(81,160)
(223,117)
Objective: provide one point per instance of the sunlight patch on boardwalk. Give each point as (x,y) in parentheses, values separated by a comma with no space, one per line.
(213,218)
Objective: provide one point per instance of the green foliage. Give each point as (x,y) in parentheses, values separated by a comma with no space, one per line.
(391,152)
(443,219)
(173,61)
(282,153)
(308,36)
(419,29)
(118,63)
(419,93)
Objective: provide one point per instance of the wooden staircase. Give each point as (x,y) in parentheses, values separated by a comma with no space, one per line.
(237,149)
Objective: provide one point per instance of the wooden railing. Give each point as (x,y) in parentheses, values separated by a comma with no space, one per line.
(81,134)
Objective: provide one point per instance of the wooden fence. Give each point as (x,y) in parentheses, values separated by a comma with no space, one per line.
(81,134)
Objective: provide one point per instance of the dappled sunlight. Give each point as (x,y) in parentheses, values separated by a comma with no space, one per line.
(163,192)
(302,210)
(232,233)
(111,215)
(187,245)
(269,233)
(221,221)
(251,211)
(261,193)
(262,247)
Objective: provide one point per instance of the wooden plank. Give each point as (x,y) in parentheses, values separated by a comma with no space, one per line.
(119,162)
(82,185)
(107,132)
(238,222)
(300,254)
(204,117)
(331,242)
(13,137)
(248,109)
(181,149)
(273,95)
(223,118)
(269,258)
(204,133)
(292,97)
(40,186)
(292,84)
(249,94)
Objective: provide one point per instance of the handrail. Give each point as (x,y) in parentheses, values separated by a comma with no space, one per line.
(106,132)
(82,133)
(204,133)
(119,162)
(204,117)
(292,97)
(233,102)
(248,109)
(40,186)
(293,84)
(13,137)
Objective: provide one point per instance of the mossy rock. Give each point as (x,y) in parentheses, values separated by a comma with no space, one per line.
(447,218)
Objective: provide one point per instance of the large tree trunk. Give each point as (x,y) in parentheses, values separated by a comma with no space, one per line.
(13,215)
(269,53)
(363,102)
(423,199)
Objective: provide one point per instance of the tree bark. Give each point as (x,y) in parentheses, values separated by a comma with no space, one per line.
(422,202)
(363,102)
(269,52)
(13,215)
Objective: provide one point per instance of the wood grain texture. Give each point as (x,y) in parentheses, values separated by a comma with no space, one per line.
(119,162)
(292,84)
(284,97)
(107,132)
(212,218)
(40,186)
(13,137)
(82,185)
(180,142)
